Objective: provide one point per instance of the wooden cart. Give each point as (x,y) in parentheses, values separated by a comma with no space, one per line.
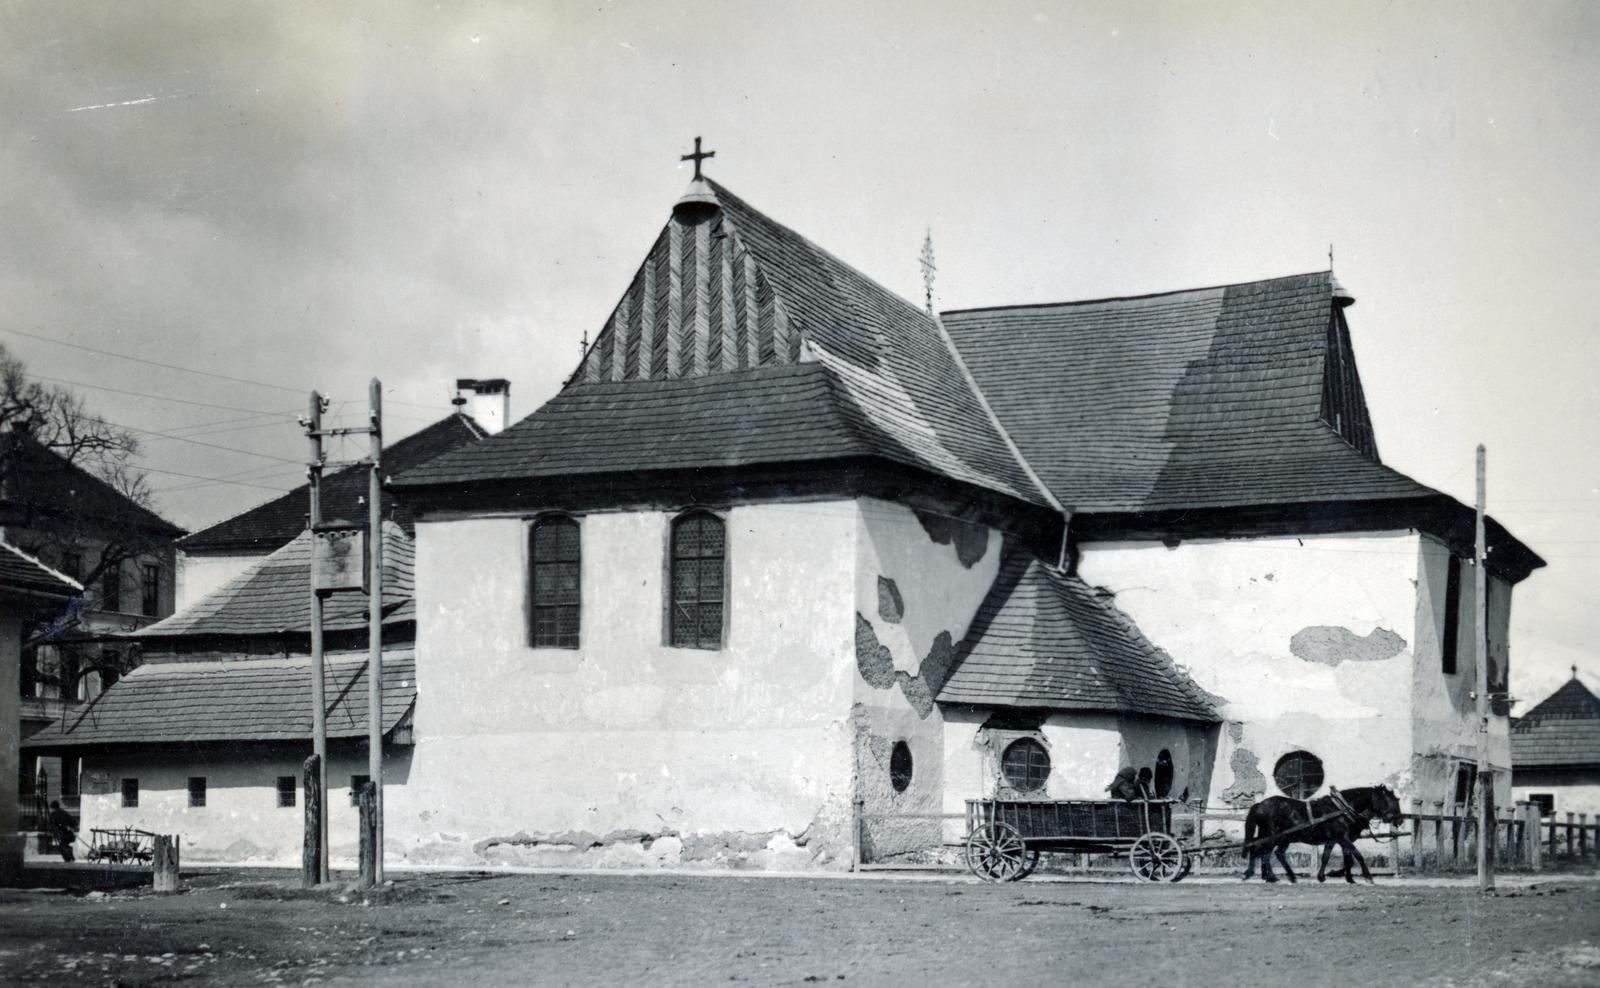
(1006,836)
(119,846)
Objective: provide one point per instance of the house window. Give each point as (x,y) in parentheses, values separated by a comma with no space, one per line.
(358,783)
(1026,765)
(900,766)
(72,563)
(197,791)
(555,557)
(130,793)
(1466,782)
(1298,774)
(150,590)
(698,557)
(111,588)
(1546,801)
(1452,616)
(285,791)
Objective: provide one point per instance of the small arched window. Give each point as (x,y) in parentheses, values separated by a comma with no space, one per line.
(555,598)
(1298,774)
(1026,765)
(900,766)
(697,586)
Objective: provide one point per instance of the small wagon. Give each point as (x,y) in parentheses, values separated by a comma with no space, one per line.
(120,846)
(1006,836)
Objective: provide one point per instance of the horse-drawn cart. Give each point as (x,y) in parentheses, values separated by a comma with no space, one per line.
(119,846)
(1006,836)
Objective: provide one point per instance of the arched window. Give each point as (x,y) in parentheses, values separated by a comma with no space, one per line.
(698,550)
(1026,765)
(1298,774)
(900,766)
(554,604)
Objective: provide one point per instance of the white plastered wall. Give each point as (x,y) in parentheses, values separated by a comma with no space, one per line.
(199,575)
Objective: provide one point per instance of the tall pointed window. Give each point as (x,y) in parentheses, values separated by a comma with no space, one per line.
(699,549)
(554,602)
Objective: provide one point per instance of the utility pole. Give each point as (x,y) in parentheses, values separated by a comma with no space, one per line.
(1480,635)
(375,627)
(319,701)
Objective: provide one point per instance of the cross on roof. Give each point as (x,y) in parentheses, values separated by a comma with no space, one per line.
(697,157)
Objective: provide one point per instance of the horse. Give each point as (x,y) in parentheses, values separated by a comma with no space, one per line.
(1278,821)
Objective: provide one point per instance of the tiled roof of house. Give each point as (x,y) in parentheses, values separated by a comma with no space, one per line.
(1206,398)
(270,525)
(1047,640)
(256,699)
(736,326)
(40,481)
(1564,729)
(20,571)
(273,596)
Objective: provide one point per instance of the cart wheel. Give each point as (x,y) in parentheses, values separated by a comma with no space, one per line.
(1027,866)
(1156,857)
(996,853)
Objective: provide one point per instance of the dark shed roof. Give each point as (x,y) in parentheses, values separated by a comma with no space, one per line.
(268,526)
(1562,730)
(1048,640)
(20,571)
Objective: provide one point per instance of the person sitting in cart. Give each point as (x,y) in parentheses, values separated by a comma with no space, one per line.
(63,828)
(1125,785)
(1147,784)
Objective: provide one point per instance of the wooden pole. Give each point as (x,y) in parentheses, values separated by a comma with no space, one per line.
(370,859)
(319,699)
(1480,637)
(311,847)
(166,863)
(375,630)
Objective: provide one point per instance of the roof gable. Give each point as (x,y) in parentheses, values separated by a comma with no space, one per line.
(45,483)
(1561,730)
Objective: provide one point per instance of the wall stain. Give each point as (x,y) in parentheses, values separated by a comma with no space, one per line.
(876,664)
(1248,782)
(970,539)
(1330,645)
(891,607)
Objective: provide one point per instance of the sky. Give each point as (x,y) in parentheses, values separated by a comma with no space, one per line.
(304,196)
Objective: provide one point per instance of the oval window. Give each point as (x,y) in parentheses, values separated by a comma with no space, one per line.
(1298,774)
(1025,764)
(900,766)
(1163,778)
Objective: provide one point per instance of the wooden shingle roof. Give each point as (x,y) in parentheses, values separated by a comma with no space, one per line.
(742,343)
(273,596)
(20,571)
(1044,639)
(38,484)
(1562,730)
(256,699)
(271,525)
(1208,398)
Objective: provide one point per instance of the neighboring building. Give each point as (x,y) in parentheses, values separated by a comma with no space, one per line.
(28,588)
(207,737)
(1555,751)
(211,557)
(120,551)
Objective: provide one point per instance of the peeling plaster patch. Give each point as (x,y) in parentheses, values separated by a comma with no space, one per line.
(971,540)
(876,663)
(1248,782)
(1236,731)
(873,658)
(1331,645)
(891,607)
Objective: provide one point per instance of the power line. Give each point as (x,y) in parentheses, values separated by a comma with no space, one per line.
(214,480)
(181,401)
(228,449)
(225,478)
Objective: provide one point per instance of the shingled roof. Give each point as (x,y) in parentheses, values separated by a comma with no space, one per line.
(270,525)
(1245,394)
(740,343)
(1048,640)
(257,699)
(20,571)
(273,596)
(1562,730)
(37,483)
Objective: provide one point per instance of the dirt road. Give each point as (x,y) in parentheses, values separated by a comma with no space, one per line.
(245,928)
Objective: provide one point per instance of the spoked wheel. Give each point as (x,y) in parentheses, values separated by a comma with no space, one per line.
(1027,866)
(996,853)
(1157,857)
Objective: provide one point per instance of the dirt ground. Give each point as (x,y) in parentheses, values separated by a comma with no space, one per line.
(249,928)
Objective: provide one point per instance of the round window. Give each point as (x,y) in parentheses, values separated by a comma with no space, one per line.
(1025,764)
(1298,774)
(900,766)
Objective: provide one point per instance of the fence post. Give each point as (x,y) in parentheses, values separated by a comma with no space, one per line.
(165,865)
(856,858)
(1416,837)
(1570,815)
(1583,835)
(1530,831)
(368,847)
(311,846)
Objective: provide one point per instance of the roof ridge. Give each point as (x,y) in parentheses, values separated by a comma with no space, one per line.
(1132,298)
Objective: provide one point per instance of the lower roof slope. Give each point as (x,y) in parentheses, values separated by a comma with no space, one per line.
(253,699)
(1048,640)
(37,483)
(1562,730)
(20,571)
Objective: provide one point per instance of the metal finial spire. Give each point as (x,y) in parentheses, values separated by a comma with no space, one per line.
(583,347)
(1330,257)
(697,157)
(928,268)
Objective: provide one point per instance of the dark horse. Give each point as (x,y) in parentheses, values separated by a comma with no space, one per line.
(1278,821)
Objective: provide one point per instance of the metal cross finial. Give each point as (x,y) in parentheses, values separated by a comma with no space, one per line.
(1330,257)
(697,157)
(928,268)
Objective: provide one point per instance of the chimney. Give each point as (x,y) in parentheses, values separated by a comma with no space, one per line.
(487,401)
